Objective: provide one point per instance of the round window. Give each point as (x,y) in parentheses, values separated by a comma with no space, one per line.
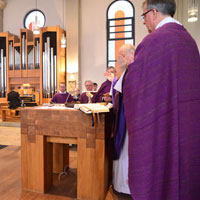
(31,16)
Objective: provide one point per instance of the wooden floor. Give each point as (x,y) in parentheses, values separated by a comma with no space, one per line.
(10,178)
(10,172)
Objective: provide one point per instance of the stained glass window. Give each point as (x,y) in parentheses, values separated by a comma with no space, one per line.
(120,28)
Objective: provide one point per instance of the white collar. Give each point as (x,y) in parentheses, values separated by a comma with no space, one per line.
(118,85)
(63,92)
(167,20)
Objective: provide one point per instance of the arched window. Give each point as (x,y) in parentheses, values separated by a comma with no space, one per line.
(120,28)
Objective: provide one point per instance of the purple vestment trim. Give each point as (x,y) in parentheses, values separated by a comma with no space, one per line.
(105,88)
(84,98)
(120,126)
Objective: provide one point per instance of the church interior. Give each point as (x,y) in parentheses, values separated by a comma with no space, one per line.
(44,43)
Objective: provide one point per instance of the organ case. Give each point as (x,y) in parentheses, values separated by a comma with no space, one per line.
(37,60)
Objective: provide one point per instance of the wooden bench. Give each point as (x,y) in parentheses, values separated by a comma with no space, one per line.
(2,104)
(6,113)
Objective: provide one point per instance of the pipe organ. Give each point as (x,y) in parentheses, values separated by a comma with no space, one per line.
(23,51)
(37,53)
(11,55)
(30,53)
(3,67)
(50,70)
(3,76)
(36,60)
(17,58)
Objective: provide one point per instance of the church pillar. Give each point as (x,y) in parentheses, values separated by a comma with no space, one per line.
(179,11)
(72,30)
(2,6)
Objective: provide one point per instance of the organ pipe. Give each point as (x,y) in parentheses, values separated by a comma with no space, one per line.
(37,55)
(23,52)
(49,70)
(17,58)
(11,55)
(2,74)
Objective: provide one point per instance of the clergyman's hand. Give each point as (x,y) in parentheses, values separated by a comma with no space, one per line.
(109,76)
(122,63)
(107,99)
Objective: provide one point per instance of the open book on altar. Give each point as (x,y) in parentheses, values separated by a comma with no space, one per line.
(93,107)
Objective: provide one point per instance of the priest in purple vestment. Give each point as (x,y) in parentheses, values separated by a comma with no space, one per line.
(84,96)
(120,165)
(95,86)
(62,96)
(76,94)
(105,86)
(161,94)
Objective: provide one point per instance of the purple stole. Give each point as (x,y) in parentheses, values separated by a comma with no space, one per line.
(120,123)
(113,90)
(120,120)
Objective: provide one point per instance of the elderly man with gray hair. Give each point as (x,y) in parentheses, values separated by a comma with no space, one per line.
(120,164)
(84,96)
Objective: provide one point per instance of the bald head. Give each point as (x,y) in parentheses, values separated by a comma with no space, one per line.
(127,49)
(125,56)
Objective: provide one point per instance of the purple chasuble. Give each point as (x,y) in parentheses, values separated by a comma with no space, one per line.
(105,88)
(162,108)
(84,98)
(113,90)
(61,98)
(120,123)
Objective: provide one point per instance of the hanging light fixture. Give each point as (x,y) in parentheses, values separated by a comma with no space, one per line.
(63,40)
(192,11)
(36,28)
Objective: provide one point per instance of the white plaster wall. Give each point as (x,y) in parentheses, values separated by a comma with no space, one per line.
(72,24)
(1,20)
(93,40)
(93,37)
(73,50)
(93,34)
(90,46)
(192,27)
(182,15)
(16,10)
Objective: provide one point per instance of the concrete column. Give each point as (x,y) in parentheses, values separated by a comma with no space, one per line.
(1,20)
(2,6)
(72,30)
(179,11)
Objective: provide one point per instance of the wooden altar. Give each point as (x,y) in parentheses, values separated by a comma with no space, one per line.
(43,126)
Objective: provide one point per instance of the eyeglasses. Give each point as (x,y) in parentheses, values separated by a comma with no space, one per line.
(143,15)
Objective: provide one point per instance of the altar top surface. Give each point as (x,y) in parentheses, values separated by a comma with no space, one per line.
(62,122)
